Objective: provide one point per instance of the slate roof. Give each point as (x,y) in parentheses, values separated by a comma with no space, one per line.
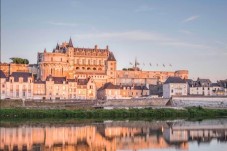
(203,82)
(111,57)
(57,80)
(223,83)
(24,75)
(215,85)
(109,85)
(71,80)
(2,74)
(82,81)
(140,88)
(70,42)
(190,82)
(174,80)
(39,81)
(136,87)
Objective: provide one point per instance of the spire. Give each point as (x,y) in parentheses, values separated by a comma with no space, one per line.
(57,47)
(45,50)
(70,42)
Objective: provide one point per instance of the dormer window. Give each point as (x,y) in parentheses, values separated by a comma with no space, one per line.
(20,79)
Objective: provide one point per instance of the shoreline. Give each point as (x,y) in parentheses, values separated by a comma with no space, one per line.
(191,112)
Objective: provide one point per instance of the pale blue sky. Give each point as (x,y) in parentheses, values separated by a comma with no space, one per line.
(187,34)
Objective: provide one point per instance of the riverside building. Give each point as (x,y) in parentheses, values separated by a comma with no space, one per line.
(70,72)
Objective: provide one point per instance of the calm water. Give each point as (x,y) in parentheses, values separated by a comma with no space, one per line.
(206,135)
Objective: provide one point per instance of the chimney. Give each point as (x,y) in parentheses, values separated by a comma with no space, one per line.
(96,46)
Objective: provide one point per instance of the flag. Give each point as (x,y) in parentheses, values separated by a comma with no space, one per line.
(143,64)
(163,65)
(170,65)
(130,63)
(157,65)
(150,64)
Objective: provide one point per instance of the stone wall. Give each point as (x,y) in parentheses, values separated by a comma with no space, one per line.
(208,102)
(136,102)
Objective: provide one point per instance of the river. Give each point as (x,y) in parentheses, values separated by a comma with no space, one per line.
(171,135)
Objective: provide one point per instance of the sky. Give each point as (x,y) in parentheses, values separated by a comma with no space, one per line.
(189,35)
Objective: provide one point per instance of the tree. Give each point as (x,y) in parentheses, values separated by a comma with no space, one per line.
(19,60)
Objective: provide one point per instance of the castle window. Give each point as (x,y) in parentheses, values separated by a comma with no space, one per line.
(94,68)
(88,68)
(83,68)
(77,68)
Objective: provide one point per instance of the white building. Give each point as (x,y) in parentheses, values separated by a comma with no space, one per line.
(19,85)
(204,87)
(2,85)
(174,86)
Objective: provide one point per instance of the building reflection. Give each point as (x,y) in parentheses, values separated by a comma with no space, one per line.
(109,136)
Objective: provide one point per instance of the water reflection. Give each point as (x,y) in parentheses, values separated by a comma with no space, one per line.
(112,136)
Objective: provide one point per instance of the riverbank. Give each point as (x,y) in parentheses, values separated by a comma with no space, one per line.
(193,112)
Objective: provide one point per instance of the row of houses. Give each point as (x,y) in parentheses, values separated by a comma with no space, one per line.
(111,91)
(22,85)
(175,86)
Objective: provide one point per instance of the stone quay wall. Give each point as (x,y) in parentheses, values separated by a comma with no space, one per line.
(207,102)
(136,102)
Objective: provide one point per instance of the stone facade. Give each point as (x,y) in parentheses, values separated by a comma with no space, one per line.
(70,72)
(111,91)
(19,85)
(204,87)
(174,86)
(9,68)
(147,77)
(82,63)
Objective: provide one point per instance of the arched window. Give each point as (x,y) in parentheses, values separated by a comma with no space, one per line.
(94,68)
(77,68)
(88,68)
(83,68)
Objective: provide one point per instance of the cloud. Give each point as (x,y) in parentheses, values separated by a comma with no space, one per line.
(144,36)
(62,24)
(192,18)
(144,8)
(136,35)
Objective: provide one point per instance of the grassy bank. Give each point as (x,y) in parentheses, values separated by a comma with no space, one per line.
(113,114)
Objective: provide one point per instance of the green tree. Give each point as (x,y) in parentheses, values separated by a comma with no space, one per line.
(19,60)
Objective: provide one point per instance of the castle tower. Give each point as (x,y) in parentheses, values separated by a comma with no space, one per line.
(111,68)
